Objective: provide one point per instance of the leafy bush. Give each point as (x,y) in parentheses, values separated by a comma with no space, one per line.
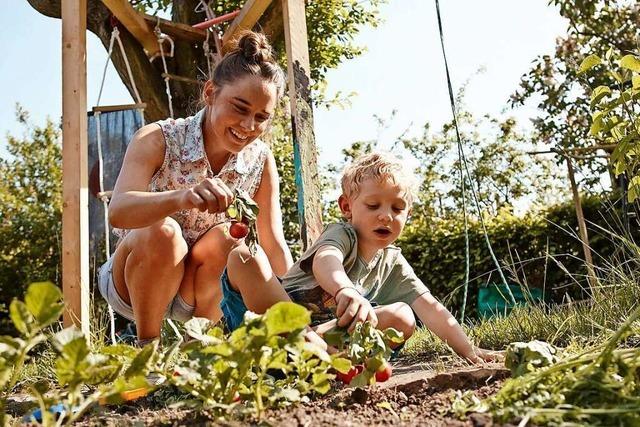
(521,244)
(30,211)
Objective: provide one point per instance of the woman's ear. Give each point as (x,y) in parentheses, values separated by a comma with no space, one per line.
(345,206)
(209,92)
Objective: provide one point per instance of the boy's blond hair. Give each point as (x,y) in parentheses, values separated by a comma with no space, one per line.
(383,167)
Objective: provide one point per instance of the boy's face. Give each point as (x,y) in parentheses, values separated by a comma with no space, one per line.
(378,212)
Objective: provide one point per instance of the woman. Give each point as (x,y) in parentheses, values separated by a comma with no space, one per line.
(176,182)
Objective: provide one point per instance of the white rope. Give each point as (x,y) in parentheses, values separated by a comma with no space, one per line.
(161,38)
(126,63)
(115,36)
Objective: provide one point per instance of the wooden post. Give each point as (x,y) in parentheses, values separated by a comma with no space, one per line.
(582,227)
(75,200)
(304,148)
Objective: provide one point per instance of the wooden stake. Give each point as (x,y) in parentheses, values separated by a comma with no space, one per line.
(304,148)
(75,215)
(582,227)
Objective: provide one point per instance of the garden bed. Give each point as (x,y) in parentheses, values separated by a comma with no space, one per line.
(415,395)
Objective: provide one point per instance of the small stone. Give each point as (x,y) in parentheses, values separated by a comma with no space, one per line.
(480,420)
(402,397)
(360,395)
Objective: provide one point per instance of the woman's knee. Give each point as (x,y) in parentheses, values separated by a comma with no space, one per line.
(164,238)
(213,248)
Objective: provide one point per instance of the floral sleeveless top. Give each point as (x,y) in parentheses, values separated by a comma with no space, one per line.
(186,164)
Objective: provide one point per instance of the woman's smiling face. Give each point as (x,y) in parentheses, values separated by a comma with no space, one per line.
(239,111)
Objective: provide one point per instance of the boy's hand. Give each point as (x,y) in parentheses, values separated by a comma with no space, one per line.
(480,355)
(353,308)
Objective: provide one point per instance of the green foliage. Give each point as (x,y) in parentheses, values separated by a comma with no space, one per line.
(555,82)
(266,362)
(524,357)
(502,173)
(598,387)
(538,250)
(366,346)
(615,118)
(30,210)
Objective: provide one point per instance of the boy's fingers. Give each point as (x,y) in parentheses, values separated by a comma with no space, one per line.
(342,306)
(347,316)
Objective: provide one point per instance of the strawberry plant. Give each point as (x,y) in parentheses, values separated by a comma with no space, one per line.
(366,347)
(266,362)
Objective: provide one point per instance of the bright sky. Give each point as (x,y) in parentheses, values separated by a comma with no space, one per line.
(403,68)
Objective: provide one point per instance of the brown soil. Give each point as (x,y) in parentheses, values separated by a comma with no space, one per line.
(414,396)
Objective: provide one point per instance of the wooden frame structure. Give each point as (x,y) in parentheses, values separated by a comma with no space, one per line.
(75,257)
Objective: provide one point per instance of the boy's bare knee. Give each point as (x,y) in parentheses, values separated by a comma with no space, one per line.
(402,318)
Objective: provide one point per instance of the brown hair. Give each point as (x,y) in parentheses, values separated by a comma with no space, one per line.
(249,54)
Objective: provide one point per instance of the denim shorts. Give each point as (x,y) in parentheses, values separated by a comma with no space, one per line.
(232,305)
(177,309)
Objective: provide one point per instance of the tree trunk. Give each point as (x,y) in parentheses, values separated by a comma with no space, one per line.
(188,60)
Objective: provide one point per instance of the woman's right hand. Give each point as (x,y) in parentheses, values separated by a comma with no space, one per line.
(211,195)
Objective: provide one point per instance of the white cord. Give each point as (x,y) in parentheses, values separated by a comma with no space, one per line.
(161,38)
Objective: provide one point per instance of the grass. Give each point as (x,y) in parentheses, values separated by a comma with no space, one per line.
(574,325)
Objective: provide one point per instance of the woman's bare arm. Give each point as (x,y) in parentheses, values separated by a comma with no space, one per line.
(132,205)
(269,224)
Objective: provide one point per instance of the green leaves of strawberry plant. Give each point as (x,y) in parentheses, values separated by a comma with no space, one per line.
(366,346)
(265,362)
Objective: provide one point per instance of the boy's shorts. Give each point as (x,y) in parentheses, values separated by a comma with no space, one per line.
(177,309)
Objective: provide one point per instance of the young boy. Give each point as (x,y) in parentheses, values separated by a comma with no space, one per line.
(352,273)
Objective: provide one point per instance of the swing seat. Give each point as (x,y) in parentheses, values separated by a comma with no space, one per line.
(118,124)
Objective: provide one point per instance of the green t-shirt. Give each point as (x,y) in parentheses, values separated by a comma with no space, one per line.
(387,279)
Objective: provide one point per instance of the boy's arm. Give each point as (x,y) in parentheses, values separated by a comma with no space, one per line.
(328,270)
(442,323)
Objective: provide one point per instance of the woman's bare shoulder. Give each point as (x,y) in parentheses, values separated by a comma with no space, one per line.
(148,144)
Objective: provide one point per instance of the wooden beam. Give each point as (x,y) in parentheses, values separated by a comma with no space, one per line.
(75,195)
(135,23)
(582,227)
(110,108)
(304,147)
(249,15)
(177,30)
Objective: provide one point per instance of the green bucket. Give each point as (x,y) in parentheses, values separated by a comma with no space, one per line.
(494,299)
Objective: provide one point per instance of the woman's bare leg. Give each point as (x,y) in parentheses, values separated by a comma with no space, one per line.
(147,270)
(253,277)
(206,261)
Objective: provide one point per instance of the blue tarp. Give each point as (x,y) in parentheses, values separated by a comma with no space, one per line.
(116,130)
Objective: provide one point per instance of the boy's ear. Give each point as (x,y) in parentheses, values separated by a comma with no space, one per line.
(345,206)
(209,92)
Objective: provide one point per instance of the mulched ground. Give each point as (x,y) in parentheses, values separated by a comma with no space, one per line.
(417,395)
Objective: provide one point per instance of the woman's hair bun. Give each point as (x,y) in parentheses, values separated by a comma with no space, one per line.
(255,47)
